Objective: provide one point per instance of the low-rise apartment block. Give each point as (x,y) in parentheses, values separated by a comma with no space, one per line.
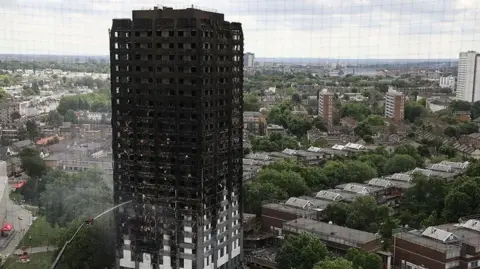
(255,122)
(439,247)
(335,237)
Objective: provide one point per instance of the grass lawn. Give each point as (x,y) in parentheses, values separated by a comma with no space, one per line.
(32,209)
(37,261)
(15,197)
(42,234)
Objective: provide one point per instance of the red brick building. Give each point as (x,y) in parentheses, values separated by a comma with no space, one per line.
(326,106)
(445,246)
(394,105)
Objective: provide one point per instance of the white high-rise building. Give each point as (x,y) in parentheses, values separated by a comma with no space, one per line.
(248,59)
(447,82)
(468,80)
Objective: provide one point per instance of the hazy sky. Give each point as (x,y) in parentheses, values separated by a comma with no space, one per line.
(272,28)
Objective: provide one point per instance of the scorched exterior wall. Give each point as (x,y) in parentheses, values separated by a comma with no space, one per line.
(177,107)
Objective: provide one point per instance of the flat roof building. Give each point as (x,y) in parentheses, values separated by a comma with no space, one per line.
(177,124)
(438,247)
(394,105)
(326,106)
(334,236)
(468,87)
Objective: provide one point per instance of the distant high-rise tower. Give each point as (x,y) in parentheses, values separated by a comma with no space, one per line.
(249,59)
(468,79)
(394,105)
(177,106)
(326,106)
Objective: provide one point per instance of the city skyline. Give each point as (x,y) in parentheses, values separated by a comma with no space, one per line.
(393,29)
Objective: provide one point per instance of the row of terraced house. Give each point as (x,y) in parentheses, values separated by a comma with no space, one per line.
(305,214)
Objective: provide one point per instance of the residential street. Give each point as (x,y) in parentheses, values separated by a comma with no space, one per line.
(10,213)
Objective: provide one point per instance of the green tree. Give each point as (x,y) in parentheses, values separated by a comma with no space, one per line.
(314,178)
(54,118)
(251,102)
(91,247)
(274,142)
(22,133)
(467,128)
(3,94)
(383,88)
(99,101)
(337,212)
(296,98)
(35,168)
(375,160)
(362,259)
(319,123)
(35,87)
(461,199)
(258,193)
(451,131)
(399,163)
(301,251)
(414,110)
(15,115)
(364,129)
(298,126)
(457,105)
(357,171)
(457,204)
(338,263)
(412,152)
(375,120)
(421,200)
(32,130)
(32,163)
(70,116)
(280,113)
(366,214)
(291,182)
(355,110)
(363,214)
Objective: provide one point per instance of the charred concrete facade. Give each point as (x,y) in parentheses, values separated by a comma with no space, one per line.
(177,129)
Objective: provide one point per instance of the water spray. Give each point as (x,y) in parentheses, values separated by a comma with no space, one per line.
(59,256)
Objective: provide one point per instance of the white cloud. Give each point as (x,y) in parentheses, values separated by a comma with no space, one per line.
(273,28)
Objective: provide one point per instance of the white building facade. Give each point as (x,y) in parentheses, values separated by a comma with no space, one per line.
(248,59)
(468,81)
(448,82)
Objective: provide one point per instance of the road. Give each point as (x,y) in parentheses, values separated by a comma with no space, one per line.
(37,250)
(9,213)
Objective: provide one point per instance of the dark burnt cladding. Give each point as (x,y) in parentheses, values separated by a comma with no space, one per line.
(177,106)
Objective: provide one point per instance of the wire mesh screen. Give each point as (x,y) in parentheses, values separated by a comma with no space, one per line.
(221,108)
